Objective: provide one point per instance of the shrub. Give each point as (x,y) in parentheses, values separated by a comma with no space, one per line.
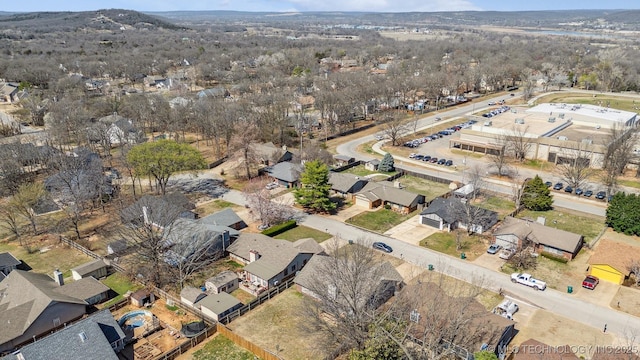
(280,228)
(553,257)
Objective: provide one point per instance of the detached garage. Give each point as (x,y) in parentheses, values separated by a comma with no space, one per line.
(611,260)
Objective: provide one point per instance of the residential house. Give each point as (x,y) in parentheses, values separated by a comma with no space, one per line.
(268,154)
(482,329)
(124,132)
(190,239)
(518,233)
(98,337)
(534,350)
(286,173)
(32,305)
(375,194)
(225,281)
(372,165)
(159,209)
(342,160)
(225,217)
(190,295)
(451,213)
(117,247)
(9,92)
(217,92)
(346,185)
(217,306)
(270,261)
(8,263)
(178,102)
(611,260)
(465,192)
(96,268)
(314,281)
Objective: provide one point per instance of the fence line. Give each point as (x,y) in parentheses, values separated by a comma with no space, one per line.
(348,166)
(239,340)
(184,347)
(258,301)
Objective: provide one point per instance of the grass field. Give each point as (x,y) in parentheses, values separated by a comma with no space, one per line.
(214,206)
(586,225)
(445,242)
(221,348)
(361,171)
(430,189)
(303,232)
(379,221)
(498,204)
(120,284)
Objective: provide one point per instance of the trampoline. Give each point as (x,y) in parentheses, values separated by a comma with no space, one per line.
(192,329)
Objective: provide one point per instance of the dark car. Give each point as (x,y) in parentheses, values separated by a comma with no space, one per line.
(548,183)
(449,163)
(590,282)
(568,189)
(579,191)
(601,195)
(442,161)
(493,248)
(426,158)
(588,193)
(419,157)
(382,246)
(434,160)
(558,186)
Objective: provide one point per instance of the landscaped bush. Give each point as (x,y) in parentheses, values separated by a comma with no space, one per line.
(553,257)
(280,228)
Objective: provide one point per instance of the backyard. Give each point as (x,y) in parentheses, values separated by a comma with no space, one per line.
(361,171)
(498,204)
(219,347)
(380,220)
(445,242)
(303,232)
(120,284)
(213,206)
(589,226)
(430,189)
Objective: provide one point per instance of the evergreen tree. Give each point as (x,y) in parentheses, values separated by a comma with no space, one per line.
(623,213)
(314,193)
(536,195)
(387,163)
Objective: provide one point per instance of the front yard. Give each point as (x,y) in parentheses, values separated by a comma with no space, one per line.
(380,220)
(303,232)
(445,242)
(586,225)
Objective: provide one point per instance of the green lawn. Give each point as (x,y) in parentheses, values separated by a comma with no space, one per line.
(303,232)
(361,171)
(120,284)
(379,221)
(445,242)
(46,256)
(430,189)
(221,348)
(630,183)
(214,206)
(588,226)
(498,204)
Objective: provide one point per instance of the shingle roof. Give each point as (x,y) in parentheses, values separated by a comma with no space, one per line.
(6,259)
(89,267)
(308,245)
(615,254)
(343,182)
(219,303)
(441,207)
(89,338)
(84,288)
(286,171)
(23,297)
(224,217)
(222,278)
(275,255)
(192,294)
(446,209)
(540,234)
(374,191)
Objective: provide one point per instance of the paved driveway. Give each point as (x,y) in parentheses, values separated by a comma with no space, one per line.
(489,261)
(410,231)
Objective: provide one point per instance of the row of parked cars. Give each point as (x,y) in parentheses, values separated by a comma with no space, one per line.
(497,111)
(442,133)
(600,195)
(430,159)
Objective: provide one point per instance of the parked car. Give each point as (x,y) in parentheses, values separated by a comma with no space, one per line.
(438,119)
(491,103)
(579,191)
(382,246)
(601,195)
(379,137)
(506,309)
(426,158)
(507,253)
(433,160)
(449,163)
(271,185)
(419,157)
(558,186)
(548,183)
(527,279)
(590,282)
(588,193)
(493,248)
(442,161)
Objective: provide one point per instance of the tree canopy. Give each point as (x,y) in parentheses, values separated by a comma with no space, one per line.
(387,163)
(536,195)
(163,158)
(623,213)
(314,192)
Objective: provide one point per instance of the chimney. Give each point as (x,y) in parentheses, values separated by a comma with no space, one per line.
(284,147)
(253,256)
(396,184)
(57,276)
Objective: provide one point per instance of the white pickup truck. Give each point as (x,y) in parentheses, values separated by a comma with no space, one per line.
(527,279)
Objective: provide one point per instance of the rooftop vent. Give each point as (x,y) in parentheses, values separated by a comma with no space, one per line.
(82,336)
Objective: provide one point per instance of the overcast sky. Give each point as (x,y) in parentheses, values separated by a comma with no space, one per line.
(315,5)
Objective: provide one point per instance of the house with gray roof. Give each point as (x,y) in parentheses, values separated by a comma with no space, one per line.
(519,233)
(382,283)
(188,239)
(32,305)
(96,268)
(190,295)
(217,92)
(8,263)
(346,185)
(286,173)
(269,261)
(217,306)
(98,337)
(375,194)
(452,213)
(268,154)
(225,217)
(225,281)
(342,160)
(372,165)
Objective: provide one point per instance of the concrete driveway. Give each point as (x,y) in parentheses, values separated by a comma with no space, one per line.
(349,212)
(410,231)
(489,261)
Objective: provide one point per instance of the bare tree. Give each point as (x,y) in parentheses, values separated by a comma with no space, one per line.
(268,211)
(25,199)
(245,135)
(518,143)
(473,219)
(574,166)
(619,146)
(634,268)
(394,128)
(9,219)
(476,178)
(498,156)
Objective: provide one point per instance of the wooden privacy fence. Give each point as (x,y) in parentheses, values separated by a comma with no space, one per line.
(240,341)
(259,300)
(186,346)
